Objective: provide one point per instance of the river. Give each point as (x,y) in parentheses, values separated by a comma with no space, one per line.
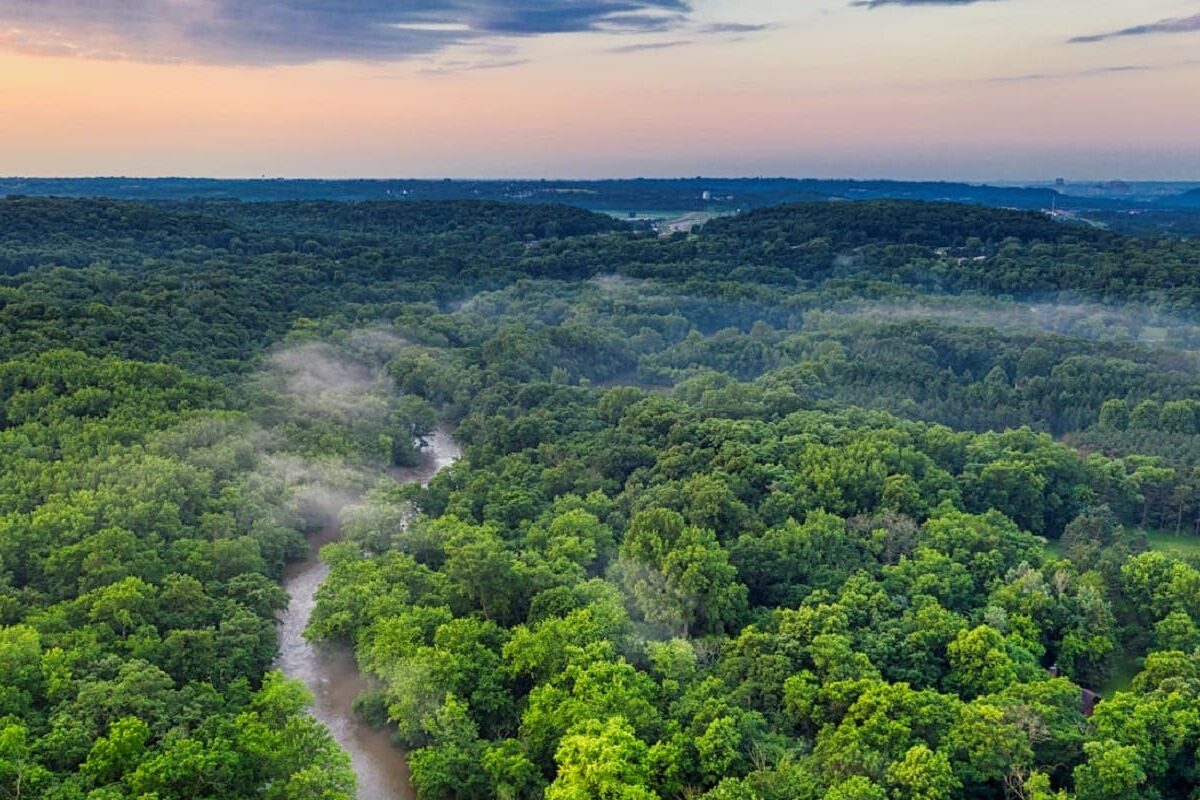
(330,672)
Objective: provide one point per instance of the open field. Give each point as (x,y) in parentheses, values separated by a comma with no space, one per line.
(1127,668)
(669,221)
(1175,544)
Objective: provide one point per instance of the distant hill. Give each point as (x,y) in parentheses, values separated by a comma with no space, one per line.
(926,224)
(1189,199)
(633,195)
(1155,211)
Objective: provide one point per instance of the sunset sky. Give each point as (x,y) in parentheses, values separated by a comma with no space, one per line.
(978,90)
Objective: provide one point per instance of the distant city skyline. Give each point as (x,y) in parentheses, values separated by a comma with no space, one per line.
(977,90)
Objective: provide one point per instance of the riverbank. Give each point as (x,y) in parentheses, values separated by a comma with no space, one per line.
(330,672)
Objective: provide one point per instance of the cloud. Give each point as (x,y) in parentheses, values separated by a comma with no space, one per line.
(273,32)
(731,31)
(638,48)
(1170,25)
(733,27)
(639,23)
(882,3)
(456,67)
(1083,73)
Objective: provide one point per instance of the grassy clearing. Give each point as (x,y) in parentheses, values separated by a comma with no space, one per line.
(1054,548)
(1174,544)
(1179,545)
(635,214)
(668,221)
(1124,671)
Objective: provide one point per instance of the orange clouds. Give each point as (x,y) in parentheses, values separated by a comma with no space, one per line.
(861,93)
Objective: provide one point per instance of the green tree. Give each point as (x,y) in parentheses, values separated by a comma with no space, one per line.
(601,761)
(679,576)
(1114,415)
(1111,770)
(979,663)
(922,775)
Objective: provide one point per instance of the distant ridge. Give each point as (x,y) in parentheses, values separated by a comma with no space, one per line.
(1190,199)
(639,194)
(1152,213)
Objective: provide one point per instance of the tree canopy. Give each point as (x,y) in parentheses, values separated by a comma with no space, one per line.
(829,500)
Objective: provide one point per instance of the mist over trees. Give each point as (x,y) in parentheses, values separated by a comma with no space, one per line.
(842,500)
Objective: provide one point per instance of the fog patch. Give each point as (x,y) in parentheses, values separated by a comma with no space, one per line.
(1091,321)
(324,412)
(316,493)
(376,345)
(610,283)
(319,378)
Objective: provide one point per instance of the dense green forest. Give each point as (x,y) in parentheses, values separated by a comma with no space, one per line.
(828,500)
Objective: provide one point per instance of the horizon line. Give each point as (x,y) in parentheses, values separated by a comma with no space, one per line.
(1041,182)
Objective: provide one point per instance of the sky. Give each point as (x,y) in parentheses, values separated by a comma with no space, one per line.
(980,90)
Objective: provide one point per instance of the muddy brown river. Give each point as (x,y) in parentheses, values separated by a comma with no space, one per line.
(331,673)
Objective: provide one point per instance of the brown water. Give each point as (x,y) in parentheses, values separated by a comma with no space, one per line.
(331,673)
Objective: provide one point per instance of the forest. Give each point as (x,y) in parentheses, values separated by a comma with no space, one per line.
(878,500)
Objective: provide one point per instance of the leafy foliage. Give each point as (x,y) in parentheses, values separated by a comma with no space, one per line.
(760,511)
